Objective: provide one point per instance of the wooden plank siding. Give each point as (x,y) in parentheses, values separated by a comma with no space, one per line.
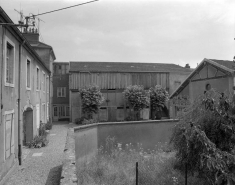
(107,80)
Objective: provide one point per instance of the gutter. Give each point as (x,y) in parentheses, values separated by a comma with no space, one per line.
(19,105)
(3,29)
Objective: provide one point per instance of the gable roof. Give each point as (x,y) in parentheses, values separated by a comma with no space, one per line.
(38,44)
(224,65)
(126,67)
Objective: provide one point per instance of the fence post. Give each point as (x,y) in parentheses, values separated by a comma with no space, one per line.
(136,170)
(186,174)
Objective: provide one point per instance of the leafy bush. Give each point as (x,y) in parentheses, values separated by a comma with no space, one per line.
(204,139)
(137,97)
(79,121)
(38,142)
(92,98)
(48,126)
(158,97)
(41,139)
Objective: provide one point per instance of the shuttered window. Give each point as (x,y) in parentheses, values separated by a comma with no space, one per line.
(9,133)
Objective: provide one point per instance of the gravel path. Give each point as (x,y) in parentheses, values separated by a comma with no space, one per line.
(43,166)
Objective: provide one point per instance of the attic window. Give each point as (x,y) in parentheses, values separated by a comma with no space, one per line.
(208,87)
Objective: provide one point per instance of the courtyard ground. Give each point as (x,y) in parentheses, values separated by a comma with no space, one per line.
(43,166)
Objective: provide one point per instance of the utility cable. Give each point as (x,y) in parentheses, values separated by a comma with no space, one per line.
(63,8)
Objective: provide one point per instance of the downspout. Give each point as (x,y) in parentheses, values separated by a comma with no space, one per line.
(19,106)
(2,72)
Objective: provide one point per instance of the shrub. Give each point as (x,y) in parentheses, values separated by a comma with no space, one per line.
(158,97)
(137,97)
(41,139)
(92,98)
(79,121)
(48,126)
(204,139)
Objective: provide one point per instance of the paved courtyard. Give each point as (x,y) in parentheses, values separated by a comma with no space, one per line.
(43,166)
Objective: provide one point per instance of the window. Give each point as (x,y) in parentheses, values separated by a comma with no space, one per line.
(28,71)
(37,78)
(208,87)
(9,133)
(67,111)
(47,85)
(9,63)
(43,81)
(47,111)
(61,91)
(55,111)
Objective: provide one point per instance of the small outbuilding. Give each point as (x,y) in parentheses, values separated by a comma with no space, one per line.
(210,73)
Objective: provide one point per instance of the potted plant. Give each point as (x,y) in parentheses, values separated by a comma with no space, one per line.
(158,97)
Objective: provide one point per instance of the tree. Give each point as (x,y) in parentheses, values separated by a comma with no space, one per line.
(137,97)
(204,140)
(92,98)
(158,97)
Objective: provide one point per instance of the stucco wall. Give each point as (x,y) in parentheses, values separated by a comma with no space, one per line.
(197,88)
(174,78)
(89,138)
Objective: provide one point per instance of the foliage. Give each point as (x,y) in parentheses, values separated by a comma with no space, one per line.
(41,139)
(158,97)
(92,98)
(48,126)
(205,138)
(84,121)
(116,165)
(137,97)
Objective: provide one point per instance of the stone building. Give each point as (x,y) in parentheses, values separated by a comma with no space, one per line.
(24,94)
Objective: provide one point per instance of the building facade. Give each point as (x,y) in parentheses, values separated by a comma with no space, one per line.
(61,110)
(114,77)
(24,94)
(210,73)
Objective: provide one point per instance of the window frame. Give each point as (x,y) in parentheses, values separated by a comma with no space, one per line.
(37,78)
(61,90)
(9,42)
(28,59)
(43,81)
(47,84)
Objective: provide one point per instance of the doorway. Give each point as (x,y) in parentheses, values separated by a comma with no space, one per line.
(27,126)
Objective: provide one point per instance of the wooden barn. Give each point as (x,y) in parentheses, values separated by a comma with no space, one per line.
(114,77)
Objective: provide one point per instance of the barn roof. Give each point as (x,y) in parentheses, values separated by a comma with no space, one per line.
(125,67)
(225,65)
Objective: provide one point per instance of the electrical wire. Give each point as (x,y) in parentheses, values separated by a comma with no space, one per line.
(64,8)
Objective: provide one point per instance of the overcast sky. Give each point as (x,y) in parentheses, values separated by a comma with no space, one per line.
(162,31)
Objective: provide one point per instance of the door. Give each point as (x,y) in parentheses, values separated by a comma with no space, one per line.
(28,126)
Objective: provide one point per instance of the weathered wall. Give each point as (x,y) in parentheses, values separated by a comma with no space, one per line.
(175,79)
(118,80)
(28,99)
(86,141)
(89,138)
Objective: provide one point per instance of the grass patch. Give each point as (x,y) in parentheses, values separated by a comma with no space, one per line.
(115,165)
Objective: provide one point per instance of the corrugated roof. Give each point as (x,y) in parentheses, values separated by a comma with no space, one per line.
(126,67)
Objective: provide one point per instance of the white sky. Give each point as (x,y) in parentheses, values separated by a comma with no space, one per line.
(162,31)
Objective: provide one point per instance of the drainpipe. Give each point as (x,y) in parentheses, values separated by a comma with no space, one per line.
(19,106)
(2,73)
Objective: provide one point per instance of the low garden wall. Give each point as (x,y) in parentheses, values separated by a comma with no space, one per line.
(88,138)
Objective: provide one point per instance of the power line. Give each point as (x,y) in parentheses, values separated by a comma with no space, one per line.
(64,8)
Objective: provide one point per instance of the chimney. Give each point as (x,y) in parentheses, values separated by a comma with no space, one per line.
(187,66)
(31,34)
